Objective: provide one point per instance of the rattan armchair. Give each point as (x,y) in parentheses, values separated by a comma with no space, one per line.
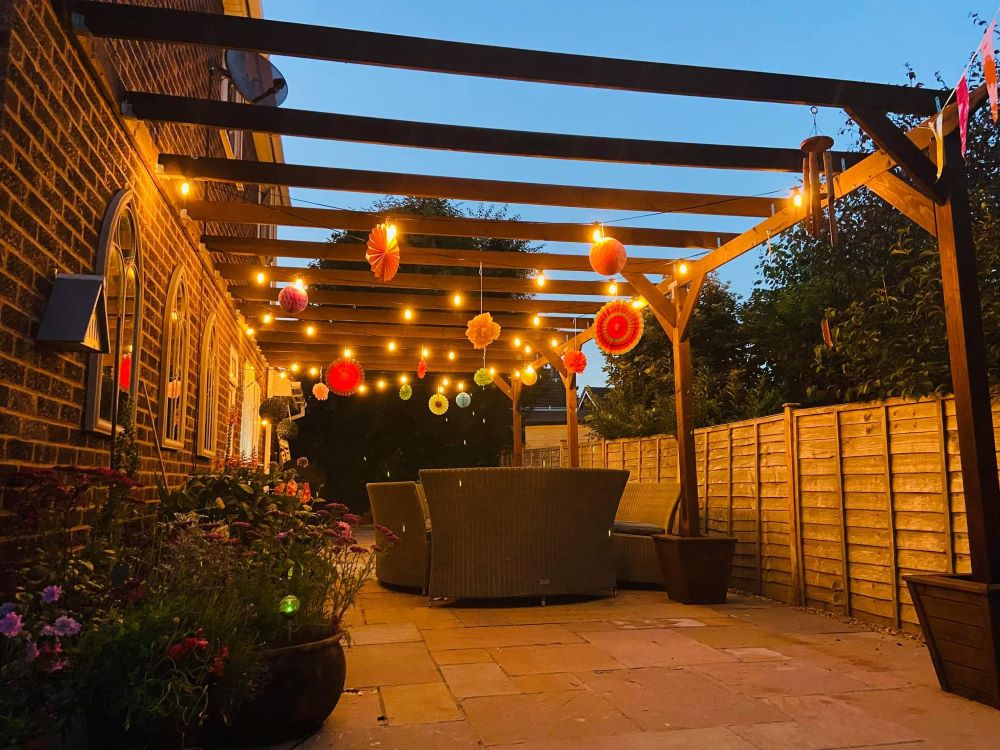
(645,510)
(510,532)
(400,506)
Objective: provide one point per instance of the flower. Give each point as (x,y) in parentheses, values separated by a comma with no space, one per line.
(241,524)
(31,651)
(66,626)
(357,549)
(281,536)
(51,594)
(11,625)
(188,644)
(218,665)
(482,331)
(352,518)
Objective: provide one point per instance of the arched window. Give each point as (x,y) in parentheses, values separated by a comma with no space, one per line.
(174,362)
(208,391)
(250,414)
(113,378)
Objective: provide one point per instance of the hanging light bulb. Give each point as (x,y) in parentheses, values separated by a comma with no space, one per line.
(268,318)
(527,348)
(362,389)
(295,367)
(460,385)
(310,330)
(249,331)
(639,302)
(451,355)
(392,346)
(313,371)
(598,234)
(682,269)
(457,299)
(540,278)
(445,381)
(493,371)
(390,232)
(517,341)
(380,384)
(554,343)
(425,352)
(536,321)
(403,380)
(516,374)
(347,352)
(797,197)
(298,283)
(612,289)
(185,189)
(261,277)
(407,314)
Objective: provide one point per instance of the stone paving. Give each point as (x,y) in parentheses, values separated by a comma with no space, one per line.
(633,672)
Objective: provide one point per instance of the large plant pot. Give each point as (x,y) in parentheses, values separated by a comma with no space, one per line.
(961,622)
(696,569)
(303,686)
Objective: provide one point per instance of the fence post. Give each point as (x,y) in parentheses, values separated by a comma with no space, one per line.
(890,498)
(794,530)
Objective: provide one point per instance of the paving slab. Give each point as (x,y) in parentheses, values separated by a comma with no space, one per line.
(660,698)
(457,734)
(356,710)
(745,635)
(571,715)
(663,647)
(554,658)
(762,679)
(471,680)
(429,703)
(756,654)
(497,636)
(548,683)
(389,664)
(681,739)
(365,635)
(463,656)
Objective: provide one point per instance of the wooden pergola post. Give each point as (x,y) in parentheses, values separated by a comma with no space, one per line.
(569,383)
(512,391)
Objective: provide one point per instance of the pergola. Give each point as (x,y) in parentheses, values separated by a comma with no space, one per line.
(902,171)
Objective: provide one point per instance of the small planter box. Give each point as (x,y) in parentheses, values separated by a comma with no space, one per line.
(696,569)
(961,622)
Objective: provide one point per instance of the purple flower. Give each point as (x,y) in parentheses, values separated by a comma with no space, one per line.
(66,626)
(11,625)
(240,524)
(281,536)
(51,594)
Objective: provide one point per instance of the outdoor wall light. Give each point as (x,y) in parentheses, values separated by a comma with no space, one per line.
(282,374)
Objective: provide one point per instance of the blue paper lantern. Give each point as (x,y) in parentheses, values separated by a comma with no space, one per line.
(463,399)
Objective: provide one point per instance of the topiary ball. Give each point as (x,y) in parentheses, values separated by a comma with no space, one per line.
(287,429)
(482,377)
(273,408)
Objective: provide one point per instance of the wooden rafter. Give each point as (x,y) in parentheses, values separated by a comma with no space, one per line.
(407,133)
(330,218)
(414,53)
(388,330)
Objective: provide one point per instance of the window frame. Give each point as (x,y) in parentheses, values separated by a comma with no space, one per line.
(122,204)
(169,355)
(209,378)
(250,414)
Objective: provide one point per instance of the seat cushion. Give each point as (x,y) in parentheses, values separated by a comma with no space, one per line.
(638,529)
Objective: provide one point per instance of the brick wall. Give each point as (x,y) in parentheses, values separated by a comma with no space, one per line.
(63,155)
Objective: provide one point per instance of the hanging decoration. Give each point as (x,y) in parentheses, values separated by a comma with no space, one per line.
(529,376)
(482,331)
(463,400)
(344,376)
(962,101)
(482,377)
(438,404)
(617,327)
(819,159)
(383,252)
(405,391)
(321,391)
(421,369)
(575,361)
(988,55)
(607,255)
(273,408)
(293,299)
(287,429)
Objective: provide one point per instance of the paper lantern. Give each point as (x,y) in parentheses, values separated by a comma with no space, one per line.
(421,369)
(383,252)
(617,327)
(438,404)
(287,429)
(482,331)
(607,256)
(463,400)
(529,376)
(405,392)
(575,361)
(293,300)
(344,375)
(482,376)
(321,392)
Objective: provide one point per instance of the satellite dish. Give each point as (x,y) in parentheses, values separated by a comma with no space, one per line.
(257,80)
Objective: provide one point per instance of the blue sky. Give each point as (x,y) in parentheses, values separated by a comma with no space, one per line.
(858,39)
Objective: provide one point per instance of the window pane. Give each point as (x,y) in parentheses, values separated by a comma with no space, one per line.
(115,293)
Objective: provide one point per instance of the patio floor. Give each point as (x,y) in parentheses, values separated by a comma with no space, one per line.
(635,672)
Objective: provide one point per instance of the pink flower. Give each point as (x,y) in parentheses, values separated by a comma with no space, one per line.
(51,594)
(63,626)
(11,625)
(358,549)
(56,666)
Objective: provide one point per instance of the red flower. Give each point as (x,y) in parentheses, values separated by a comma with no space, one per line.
(218,665)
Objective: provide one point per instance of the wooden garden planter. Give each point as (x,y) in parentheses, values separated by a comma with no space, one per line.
(961,622)
(696,569)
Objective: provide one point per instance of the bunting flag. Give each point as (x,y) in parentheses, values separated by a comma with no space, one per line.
(988,54)
(962,99)
(938,126)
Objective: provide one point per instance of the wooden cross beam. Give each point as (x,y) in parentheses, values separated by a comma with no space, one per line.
(414,53)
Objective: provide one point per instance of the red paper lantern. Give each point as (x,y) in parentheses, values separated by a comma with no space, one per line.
(293,299)
(383,252)
(617,327)
(421,369)
(344,375)
(607,256)
(575,361)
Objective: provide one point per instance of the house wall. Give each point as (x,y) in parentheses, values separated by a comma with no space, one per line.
(63,154)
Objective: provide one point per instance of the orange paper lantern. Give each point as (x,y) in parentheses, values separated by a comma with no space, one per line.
(383,252)
(482,331)
(608,256)
(575,361)
(617,327)
(421,369)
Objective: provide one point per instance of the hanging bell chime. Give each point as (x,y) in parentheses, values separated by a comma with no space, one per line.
(819,159)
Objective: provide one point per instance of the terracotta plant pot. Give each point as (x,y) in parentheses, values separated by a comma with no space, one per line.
(696,569)
(961,622)
(303,686)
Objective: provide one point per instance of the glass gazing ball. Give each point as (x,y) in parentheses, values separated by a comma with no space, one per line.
(482,376)
(289,605)
(463,400)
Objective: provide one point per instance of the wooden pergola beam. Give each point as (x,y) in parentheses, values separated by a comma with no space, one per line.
(431,282)
(407,133)
(414,53)
(383,299)
(388,331)
(330,218)
(906,199)
(241,171)
(418,256)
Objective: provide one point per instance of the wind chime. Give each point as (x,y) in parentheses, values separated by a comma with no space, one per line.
(819,159)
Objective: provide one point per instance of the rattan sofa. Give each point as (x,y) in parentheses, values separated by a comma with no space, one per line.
(400,506)
(509,532)
(645,510)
